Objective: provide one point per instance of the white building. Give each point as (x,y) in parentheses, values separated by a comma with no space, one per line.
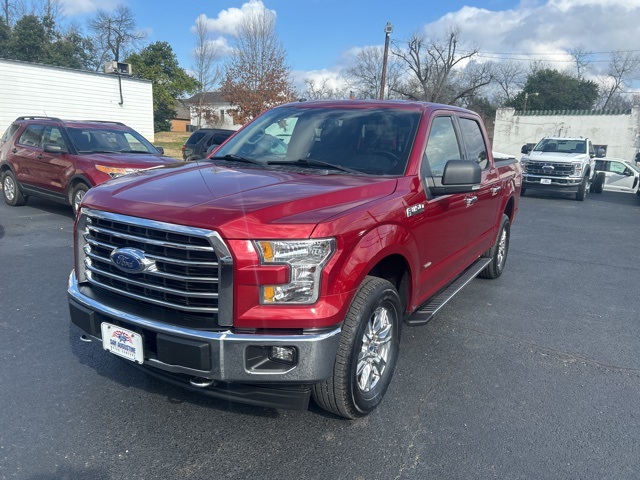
(209,109)
(618,131)
(28,89)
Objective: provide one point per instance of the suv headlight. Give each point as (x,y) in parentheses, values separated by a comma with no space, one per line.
(115,172)
(305,259)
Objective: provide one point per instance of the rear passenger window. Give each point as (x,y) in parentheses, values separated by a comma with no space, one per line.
(195,138)
(9,132)
(474,142)
(442,145)
(31,136)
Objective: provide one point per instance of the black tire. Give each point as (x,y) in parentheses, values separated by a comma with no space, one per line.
(11,190)
(77,193)
(598,183)
(367,353)
(581,194)
(499,251)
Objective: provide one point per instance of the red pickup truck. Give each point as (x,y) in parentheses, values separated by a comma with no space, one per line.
(282,267)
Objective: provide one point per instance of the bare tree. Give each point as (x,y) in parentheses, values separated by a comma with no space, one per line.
(623,68)
(12,10)
(115,33)
(510,76)
(436,69)
(206,72)
(322,91)
(258,76)
(49,9)
(365,74)
(580,56)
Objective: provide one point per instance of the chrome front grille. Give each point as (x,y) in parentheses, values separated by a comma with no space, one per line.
(550,169)
(184,270)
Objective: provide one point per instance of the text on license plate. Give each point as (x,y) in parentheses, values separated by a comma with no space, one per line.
(122,342)
(545,181)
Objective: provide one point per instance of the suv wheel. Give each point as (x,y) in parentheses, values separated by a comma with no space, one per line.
(11,190)
(77,195)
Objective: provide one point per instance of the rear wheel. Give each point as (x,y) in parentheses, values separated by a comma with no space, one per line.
(11,190)
(598,183)
(367,353)
(498,252)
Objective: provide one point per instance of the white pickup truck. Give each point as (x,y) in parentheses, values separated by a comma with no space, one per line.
(565,165)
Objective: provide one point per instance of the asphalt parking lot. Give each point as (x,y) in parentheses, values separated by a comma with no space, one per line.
(535,375)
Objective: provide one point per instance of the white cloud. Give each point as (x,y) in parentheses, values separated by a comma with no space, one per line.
(80,7)
(227,21)
(547,31)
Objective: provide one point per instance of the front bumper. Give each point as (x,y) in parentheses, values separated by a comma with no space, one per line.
(557,184)
(231,365)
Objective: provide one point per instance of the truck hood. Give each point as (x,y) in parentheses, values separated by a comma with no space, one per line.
(557,157)
(242,203)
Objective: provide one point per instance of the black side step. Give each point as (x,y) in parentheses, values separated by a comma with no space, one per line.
(427,311)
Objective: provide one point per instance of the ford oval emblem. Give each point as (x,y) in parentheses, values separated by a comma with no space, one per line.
(130,260)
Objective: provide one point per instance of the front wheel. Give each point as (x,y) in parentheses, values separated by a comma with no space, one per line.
(367,353)
(498,252)
(77,194)
(584,188)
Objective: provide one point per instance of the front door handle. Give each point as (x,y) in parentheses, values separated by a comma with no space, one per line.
(471,200)
(495,190)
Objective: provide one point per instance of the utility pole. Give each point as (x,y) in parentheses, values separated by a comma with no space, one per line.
(387,30)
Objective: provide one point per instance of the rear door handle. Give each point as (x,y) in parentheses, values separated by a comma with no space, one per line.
(471,200)
(495,190)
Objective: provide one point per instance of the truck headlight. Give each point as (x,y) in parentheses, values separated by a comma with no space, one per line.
(305,259)
(577,168)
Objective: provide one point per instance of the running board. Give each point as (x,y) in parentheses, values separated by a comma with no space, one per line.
(426,313)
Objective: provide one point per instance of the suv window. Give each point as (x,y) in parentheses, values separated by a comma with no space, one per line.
(9,132)
(31,136)
(53,136)
(442,145)
(474,142)
(87,140)
(195,138)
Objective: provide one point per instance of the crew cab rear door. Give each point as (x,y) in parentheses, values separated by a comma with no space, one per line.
(454,229)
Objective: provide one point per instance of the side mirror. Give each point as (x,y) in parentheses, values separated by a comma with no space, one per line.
(526,149)
(54,148)
(459,176)
(160,149)
(601,153)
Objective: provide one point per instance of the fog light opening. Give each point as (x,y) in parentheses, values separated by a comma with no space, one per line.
(283,355)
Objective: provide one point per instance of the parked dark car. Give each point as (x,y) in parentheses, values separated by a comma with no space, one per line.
(203,141)
(60,160)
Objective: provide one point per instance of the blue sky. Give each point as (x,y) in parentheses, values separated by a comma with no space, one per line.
(321,36)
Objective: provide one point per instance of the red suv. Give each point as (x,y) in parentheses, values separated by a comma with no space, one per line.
(60,160)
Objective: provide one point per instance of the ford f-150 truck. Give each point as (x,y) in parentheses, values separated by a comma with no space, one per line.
(561,165)
(282,267)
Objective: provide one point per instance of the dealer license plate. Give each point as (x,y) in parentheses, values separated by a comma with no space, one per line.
(545,181)
(122,342)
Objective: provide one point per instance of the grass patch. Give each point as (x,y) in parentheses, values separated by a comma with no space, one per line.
(171,142)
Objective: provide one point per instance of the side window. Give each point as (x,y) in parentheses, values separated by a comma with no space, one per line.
(31,136)
(617,167)
(9,132)
(442,145)
(53,136)
(474,142)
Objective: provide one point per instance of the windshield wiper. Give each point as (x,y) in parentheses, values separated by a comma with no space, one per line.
(237,158)
(310,162)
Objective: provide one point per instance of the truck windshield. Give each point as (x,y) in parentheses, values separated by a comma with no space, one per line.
(561,145)
(370,141)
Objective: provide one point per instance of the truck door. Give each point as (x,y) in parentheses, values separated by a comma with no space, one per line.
(618,177)
(441,230)
(483,204)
